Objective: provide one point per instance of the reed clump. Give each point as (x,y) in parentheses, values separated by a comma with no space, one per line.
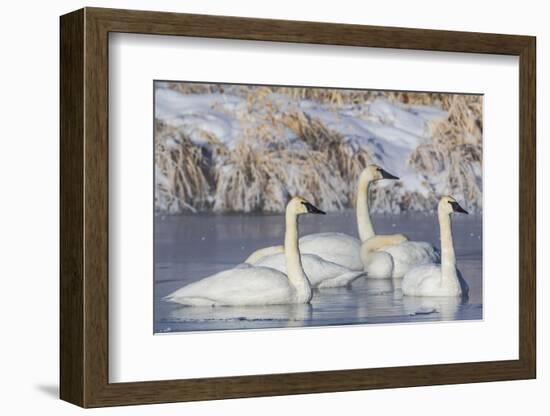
(182,172)
(456,151)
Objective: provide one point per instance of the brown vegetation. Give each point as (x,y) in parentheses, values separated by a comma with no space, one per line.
(263,169)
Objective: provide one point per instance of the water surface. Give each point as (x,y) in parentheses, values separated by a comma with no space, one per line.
(190,247)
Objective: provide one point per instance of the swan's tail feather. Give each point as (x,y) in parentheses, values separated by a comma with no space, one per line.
(339,281)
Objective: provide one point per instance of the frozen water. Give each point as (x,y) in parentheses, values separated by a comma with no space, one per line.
(189,247)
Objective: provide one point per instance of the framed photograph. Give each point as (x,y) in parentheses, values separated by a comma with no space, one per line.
(256,207)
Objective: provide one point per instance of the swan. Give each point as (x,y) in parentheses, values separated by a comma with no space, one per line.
(255,285)
(320,273)
(439,279)
(339,248)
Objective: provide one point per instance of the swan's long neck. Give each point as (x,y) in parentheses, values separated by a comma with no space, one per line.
(448,258)
(364,223)
(295,271)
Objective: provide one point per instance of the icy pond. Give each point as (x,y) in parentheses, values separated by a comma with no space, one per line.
(189,247)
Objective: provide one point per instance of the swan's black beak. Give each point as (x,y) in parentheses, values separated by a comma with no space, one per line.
(457,208)
(387,175)
(312,209)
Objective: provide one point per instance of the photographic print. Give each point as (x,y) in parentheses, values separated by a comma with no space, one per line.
(293,206)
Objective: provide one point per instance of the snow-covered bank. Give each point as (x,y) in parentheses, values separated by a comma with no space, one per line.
(232,148)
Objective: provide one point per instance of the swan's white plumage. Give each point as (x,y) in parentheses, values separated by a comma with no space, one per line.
(425,280)
(378,265)
(320,272)
(238,286)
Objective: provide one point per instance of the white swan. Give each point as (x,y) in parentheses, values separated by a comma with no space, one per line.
(439,279)
(256,285)
(320,273)
(339,248)
(377,263)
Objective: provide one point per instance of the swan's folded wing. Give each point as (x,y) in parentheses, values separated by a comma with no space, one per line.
(409,254)
(421,279)
(239,286)
(413,251)
(336,241)
(338,248)
(319,270)
(316,268)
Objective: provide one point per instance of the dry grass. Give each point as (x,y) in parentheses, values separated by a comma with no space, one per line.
(343,158)
(253,179)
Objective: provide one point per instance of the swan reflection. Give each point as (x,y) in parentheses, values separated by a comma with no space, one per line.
(446,308)
(284,315)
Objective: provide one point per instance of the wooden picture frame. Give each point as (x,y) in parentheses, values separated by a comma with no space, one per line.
(84,207)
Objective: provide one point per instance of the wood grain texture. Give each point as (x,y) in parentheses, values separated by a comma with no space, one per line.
(225,27)
(96,208)
(84,207)
(528,208)
(71,100)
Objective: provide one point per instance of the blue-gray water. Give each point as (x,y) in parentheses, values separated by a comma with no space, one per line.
(189,247)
